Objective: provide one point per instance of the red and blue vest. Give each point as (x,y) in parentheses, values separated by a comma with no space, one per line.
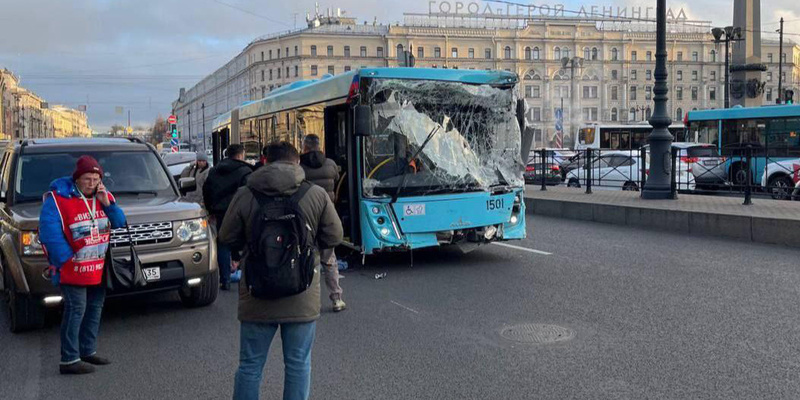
(87,236)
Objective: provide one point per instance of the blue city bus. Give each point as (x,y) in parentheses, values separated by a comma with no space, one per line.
(770,133)
(427,157)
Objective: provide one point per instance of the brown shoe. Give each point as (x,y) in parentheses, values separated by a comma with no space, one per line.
(77,368)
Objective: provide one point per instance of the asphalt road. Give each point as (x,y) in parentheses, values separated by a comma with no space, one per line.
(655,315)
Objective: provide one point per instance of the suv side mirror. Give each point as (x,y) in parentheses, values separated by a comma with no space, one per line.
(187,185)
(363,120)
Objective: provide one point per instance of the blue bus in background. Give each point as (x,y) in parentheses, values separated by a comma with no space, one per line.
(427,157)
(772,132)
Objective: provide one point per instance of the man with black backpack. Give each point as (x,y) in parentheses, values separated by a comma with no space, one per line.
(282,223)
(222,183)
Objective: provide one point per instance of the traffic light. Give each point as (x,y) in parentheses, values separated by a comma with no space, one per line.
(788,96)
(174,130)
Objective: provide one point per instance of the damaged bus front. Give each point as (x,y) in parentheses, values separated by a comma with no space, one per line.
(440,158)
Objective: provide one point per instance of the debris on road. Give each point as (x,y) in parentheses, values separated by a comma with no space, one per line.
(380,276)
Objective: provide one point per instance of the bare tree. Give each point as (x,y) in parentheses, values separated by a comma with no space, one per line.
(159,129)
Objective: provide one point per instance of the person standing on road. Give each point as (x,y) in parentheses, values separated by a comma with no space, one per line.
(221,184)
(295,315)
(75,233)
(324,172)
(199,171)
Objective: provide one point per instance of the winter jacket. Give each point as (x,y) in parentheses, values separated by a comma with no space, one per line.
(321,171)
(53,230)
(200,177)
(274,179)
(221,184)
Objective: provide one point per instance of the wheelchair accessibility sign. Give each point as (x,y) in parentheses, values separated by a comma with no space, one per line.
(411,210)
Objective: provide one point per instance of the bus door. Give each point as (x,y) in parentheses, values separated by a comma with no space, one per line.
(341,148)
(219,142)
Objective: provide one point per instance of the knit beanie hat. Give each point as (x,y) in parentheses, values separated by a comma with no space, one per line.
(85,165)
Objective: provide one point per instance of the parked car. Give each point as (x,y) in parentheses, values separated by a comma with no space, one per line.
(533,172)
(780,178)
(618,170)
(560,157)
(177,162)
(698,165)
(172,237)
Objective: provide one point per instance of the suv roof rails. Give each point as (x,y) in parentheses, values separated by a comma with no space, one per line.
(135,140)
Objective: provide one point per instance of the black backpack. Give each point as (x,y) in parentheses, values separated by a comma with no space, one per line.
(280,260)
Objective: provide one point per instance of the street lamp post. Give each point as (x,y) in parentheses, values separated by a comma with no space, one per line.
(572,63)
(203,109)
(657,185)
(189,119)
(727,35)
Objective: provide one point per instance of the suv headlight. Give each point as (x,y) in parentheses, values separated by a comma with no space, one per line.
(193,230)
(30,244)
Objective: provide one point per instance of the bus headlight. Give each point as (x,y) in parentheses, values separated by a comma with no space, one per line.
(30,244)
(514,219)
(385,232)
(193,230)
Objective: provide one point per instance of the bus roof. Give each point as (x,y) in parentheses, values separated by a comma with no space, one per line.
(221,120)
(775,111)
(330,88)
(675,124)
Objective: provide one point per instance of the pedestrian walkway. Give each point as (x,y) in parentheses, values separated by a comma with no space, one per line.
(765,221)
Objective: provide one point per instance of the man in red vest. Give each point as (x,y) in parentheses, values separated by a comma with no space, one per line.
(74,228)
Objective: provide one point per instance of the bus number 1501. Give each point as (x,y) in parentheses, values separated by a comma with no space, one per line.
(494,204)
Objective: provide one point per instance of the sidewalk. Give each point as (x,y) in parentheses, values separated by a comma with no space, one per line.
(765,221)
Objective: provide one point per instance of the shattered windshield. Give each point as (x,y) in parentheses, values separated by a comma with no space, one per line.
(440,137)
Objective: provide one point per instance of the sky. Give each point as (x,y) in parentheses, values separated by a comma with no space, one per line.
(137,54)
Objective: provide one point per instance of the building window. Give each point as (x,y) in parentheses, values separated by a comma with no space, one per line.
(614,114)
(649,56)
(313,51)
(380,52)
(587,54)
(537,114)
(330,51)
(783,58)
(347,51)
(694,75)
(331,69)
(488,54)
(633,74)
(649,74)
(679,93)
(769,57)
(695,56)
(614,54)
(507,53)
(420,52)
(562,92)
(590,113)
(537,92)
(437,52)
(313,70)
(262,59)
(471,53)
(713,56)
(679,114)
(279,53)
(594,53)
(296,50)
(615,93)
(633,93)
(712,93)
(680,75)
(632,114)
(363,51)
(346,68)
(287,72)
(528,91)
(769,76)
(454,52)
(263,91)
(769,94)
(565,52)
(535,53)
(296,71)
(590,92)
(633,56)
(528,55)
(680,56)
(270,74)
(648,92)
(262,75)
(783,77)
(713,75)
(614,74)
(557,53)
(270,54)
(279,72)
(648,114)
(399,50)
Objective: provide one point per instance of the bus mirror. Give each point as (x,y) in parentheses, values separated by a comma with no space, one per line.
(363,121)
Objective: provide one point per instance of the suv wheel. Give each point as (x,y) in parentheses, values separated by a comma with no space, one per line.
(202,295)
(26,312)
(781,187)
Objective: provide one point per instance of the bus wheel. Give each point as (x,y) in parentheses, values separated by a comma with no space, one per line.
(573,183)
(781,187)
(740,174)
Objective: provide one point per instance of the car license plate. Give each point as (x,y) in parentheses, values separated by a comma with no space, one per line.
(152,274)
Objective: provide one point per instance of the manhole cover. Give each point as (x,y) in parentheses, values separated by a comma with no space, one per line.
(537,333)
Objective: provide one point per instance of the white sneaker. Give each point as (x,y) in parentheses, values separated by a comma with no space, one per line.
(339,305)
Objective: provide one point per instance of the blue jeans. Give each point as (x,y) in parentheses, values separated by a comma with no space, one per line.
(81,321)
(256,338)
(224,262)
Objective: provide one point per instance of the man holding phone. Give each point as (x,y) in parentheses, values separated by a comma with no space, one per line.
(75,232)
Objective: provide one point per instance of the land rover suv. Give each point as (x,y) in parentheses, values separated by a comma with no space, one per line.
(171,236)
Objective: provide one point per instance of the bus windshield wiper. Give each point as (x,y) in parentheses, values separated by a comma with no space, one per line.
(414,157)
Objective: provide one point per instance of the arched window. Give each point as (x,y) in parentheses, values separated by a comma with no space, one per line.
(527,53)
(535,53)
(632,114)
(679,114)
(565,52)
(532,76)
(399,49)
(561,75)
(614,114)
(614,54)
(557,53)
(313,51)
(647,113)
(594,53)
(587,53)
(507,53)
(713,55)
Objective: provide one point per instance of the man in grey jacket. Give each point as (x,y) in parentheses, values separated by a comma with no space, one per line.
(295,315)
(199,171)
(324,172)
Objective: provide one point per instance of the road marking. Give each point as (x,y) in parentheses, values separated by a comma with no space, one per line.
(511,246)
(407,308)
